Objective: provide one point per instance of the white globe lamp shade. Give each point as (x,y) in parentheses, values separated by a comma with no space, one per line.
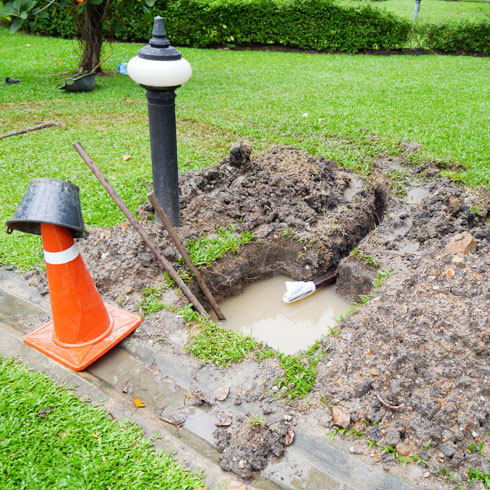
(158,64)
(159,73)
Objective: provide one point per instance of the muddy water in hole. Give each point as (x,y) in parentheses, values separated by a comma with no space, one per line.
(260,312)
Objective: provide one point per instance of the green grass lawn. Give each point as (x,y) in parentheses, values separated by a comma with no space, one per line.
(51,439)
(327,104)
(432,11)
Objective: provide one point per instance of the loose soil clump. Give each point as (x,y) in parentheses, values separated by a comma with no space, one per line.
(249,447)
(410,368)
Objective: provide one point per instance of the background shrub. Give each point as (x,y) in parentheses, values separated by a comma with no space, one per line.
(321,25)
(462,36)
(310,24)
(59,24)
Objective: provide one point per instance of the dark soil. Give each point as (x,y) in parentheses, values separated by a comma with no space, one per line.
(411,366)
(305,213)
(249,447)
(416,357)
(413,363)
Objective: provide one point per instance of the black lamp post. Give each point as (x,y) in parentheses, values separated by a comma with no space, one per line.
(160,69)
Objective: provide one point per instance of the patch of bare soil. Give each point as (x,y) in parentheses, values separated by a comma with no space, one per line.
(249,447)
(410,368)
(415,359)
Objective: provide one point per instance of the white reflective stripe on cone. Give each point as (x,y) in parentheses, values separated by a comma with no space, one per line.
(63,257)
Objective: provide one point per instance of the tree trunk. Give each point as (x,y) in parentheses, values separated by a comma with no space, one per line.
(91,35)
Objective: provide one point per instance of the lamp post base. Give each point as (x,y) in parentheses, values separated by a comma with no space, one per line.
(163,140)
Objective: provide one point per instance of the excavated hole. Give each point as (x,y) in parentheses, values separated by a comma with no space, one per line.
(306,215)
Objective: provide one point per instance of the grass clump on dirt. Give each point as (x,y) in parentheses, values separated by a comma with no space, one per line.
(257,421)
(51,439)
(300,372)
(150,300)
(220,346)
(214,344)
(366,258)
(474,475)
(205,249)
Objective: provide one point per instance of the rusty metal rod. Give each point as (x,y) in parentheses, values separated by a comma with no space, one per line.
(137,226)
(180,246)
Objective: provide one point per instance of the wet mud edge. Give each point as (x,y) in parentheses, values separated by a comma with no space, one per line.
(410,368)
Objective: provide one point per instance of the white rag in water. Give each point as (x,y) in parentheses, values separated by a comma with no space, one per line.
(298,290)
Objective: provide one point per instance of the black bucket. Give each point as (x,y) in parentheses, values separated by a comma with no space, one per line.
(51,201)
(83,83)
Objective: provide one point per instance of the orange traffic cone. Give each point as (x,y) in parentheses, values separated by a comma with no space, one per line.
(83,328)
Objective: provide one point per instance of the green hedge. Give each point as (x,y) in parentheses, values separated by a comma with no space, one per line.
(58,24)
(310,24)
(320,25)
(462,36)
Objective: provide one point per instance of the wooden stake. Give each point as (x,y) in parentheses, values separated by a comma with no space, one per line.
(180,246)
(43,125)
(137,226)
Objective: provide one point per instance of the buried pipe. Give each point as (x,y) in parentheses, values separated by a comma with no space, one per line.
(180,246)
(301,289)
(137,226)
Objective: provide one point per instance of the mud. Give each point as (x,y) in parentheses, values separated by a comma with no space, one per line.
(249,447)
(410,367)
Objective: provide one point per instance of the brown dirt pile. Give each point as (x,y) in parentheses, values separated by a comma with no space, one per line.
(413,362)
